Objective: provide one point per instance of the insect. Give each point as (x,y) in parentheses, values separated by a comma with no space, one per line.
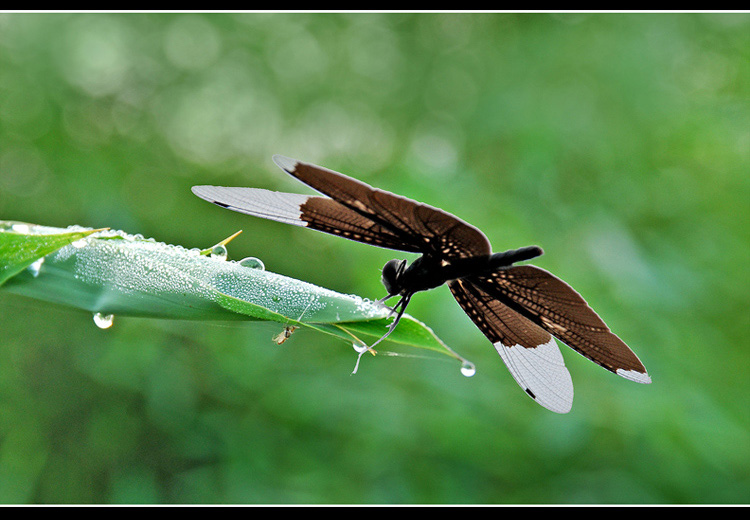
(285,334)
(521,309)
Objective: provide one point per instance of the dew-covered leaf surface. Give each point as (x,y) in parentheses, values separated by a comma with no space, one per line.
(112,273)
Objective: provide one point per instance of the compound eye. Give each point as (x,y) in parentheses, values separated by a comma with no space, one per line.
(391,271)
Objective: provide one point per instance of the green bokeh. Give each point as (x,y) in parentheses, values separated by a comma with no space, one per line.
(619,143)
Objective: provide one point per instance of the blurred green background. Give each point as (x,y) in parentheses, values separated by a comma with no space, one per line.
(619,143)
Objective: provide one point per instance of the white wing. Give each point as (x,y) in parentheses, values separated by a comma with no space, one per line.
(273,205)
(541,372)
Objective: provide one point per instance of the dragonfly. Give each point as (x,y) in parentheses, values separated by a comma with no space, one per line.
(520,309)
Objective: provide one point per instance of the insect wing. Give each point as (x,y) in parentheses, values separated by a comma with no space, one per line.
(426,229)
(319,213)
(557,308)
(530,353)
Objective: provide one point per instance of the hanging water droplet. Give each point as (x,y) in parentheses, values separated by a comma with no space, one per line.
(103,321)
(78,244)
(360,348)
(219,251)
(34,268)
(253,263)
(468,369)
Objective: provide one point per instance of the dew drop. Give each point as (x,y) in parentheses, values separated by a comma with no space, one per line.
(468,369)
(20,227)
(219,251)
(253,263)
(78,244)
(34,268)
(359,348)
(103,321)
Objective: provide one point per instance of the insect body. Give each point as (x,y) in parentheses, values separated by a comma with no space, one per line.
(284,335)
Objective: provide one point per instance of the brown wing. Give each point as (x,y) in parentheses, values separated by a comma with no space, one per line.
(554,306)
(319,213)
(428,230)
(529,352)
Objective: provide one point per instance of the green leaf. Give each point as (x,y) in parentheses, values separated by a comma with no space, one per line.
(114,273)
(17,252)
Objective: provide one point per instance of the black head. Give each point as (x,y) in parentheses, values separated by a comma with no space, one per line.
(392,272)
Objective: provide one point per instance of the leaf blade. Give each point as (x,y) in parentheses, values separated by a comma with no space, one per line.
(125,275)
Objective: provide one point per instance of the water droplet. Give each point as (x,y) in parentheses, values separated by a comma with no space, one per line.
(253,263)
(20,227)
(34,268)
(219,251)
(360,348)
(103,321)
(78,244)
(468,369)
